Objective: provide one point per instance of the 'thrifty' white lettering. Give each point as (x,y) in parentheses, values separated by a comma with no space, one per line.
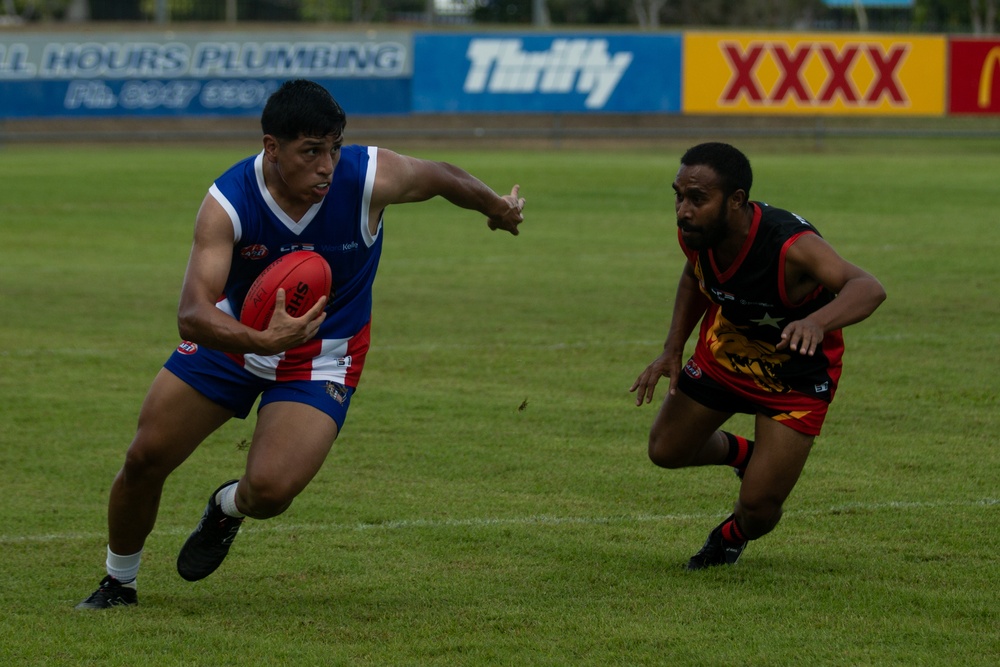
(501,66)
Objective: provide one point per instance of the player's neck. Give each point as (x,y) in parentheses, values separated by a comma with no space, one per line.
(294,207)
(731,246)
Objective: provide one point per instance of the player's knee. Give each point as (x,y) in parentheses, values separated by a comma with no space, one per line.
(264,499)
(758,517)
(144,464)
(664,452)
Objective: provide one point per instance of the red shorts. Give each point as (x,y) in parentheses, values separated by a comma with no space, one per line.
(795,410)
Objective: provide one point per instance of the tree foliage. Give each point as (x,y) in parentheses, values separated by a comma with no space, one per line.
(972,16)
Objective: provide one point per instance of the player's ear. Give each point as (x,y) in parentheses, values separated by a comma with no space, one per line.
(738,199)
(270,147)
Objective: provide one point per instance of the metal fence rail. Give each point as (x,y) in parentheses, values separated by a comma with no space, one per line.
(497,129)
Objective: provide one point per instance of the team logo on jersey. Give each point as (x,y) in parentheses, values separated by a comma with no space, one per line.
(768,321)
(693,370)
(720,296)
(187,347)
(337,392)
(255,251)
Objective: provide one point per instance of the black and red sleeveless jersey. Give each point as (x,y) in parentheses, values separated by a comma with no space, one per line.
(750,308)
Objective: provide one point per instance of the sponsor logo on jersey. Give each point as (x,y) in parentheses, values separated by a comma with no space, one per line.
(255,251)
(292,247)
(721,296)
(568,66)
(187,347)
(693,370)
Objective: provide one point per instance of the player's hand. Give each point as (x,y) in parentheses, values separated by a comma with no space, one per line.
(285,332)
(665,365)
(802,336)
(512,215)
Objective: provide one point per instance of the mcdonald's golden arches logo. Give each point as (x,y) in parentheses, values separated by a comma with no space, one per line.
(986,77)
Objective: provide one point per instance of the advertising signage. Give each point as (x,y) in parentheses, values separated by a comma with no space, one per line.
(975,76)
(195,74)
(814,74)
(150,74)
(506,72)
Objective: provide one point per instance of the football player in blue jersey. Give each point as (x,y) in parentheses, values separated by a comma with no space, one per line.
(304,189)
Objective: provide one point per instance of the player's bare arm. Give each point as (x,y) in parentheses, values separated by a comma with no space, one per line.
(689,306)
(199,321)
(401,179)
(811,262)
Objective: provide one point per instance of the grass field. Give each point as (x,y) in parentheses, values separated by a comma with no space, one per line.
(490,501)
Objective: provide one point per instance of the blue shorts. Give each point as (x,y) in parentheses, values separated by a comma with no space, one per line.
(228,384)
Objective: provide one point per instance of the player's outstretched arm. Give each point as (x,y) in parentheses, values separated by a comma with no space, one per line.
(401,179)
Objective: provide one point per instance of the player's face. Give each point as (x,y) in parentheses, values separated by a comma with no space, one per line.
(305,166)
(700,206)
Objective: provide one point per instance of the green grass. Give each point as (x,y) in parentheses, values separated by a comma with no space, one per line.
(450,527)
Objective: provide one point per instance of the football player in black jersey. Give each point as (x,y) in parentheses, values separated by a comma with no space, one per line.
(771,296)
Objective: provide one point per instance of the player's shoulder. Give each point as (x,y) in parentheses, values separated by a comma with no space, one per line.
(353,149)
(237,182)
(355,156)
(239,169)
(773,216)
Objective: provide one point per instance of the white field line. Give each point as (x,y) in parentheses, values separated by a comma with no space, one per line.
(538,519)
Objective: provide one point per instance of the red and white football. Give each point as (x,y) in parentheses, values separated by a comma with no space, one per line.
(305,277)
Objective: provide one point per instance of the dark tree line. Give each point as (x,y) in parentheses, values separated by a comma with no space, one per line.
(954,16)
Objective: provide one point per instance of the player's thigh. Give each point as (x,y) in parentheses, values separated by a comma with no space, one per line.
(683,425)
(779,456)
(173,420)
(290,444)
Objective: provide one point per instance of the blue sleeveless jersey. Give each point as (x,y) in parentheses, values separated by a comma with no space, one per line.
(337,229)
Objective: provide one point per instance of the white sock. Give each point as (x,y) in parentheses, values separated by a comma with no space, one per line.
(226,498)
(123,568)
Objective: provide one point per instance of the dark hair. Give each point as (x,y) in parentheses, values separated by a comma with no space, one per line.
(730,164)
(302,108)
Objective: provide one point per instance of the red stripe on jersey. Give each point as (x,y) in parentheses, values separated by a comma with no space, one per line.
(357,350)
(298,362)
(747,244)
(782,284)
(238,358)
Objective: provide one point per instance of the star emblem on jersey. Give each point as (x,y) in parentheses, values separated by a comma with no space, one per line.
(768,321)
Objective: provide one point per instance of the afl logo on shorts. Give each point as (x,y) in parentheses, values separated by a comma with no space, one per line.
(693,370)
(187,347)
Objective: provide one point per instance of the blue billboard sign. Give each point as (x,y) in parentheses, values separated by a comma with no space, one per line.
(547,73)
(191,74)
